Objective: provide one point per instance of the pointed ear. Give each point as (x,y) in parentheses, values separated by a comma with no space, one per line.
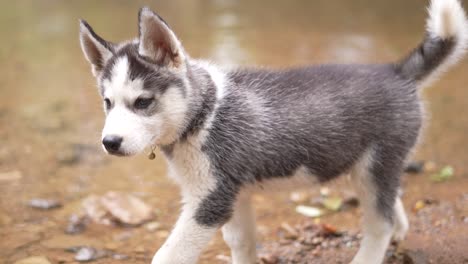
(157,41)
(96,50)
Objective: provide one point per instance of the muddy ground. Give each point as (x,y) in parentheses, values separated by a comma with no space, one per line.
(50,121)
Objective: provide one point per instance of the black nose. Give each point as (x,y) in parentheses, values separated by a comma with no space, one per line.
(112,143)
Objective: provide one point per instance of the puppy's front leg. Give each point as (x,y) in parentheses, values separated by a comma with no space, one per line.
(187,239)
(239,232)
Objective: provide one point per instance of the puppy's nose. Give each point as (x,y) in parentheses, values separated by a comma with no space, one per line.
(112,143)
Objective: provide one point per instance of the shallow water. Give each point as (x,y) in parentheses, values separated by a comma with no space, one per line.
(51,114)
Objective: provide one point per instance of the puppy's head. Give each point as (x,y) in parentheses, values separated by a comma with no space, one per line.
(142,83)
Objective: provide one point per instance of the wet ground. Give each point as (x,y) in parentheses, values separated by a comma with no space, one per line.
(50,121)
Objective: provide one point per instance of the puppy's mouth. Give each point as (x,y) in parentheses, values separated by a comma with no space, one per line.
(118,153)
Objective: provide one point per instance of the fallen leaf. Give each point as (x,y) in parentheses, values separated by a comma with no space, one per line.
(419,205)
(152,226)
(330,230)
(332,203)
(309,211)
(33,260)
(445,174)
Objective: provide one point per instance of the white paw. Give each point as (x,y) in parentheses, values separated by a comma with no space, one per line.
(162,257)
(400,232)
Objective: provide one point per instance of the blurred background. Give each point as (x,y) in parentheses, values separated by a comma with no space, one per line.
(51,162)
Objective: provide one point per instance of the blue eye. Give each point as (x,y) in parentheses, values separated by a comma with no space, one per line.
(143,103)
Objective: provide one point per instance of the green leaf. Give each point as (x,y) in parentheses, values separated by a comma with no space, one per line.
(332,203)
(446,173)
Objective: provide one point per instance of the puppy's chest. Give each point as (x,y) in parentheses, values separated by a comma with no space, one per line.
(189,166)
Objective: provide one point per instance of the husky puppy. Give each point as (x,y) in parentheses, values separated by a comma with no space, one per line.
(229,132)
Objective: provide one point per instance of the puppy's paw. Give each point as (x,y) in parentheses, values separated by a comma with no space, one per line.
(399,233)
(162,257)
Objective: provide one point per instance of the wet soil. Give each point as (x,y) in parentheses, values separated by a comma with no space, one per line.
(50,122)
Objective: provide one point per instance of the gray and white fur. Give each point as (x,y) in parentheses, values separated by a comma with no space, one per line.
(227,133)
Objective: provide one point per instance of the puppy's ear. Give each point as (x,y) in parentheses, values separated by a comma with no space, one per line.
(96,50)
(157,41)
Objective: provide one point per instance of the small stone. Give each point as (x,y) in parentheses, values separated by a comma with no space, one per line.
(95,210)
(33,260)
(269,259)
(316,252)
(86,254)
(317,240)
(126,209)
(120,256)
(329,230)
(324,191)
(124,235)
(76,224)
(291,233)
(350,202)
(44,204)
(299,197)
(152,226)
(415,167)
(430,166)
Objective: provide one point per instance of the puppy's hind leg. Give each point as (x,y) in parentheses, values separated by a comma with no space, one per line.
(239,232)
(376,177)
(401,221)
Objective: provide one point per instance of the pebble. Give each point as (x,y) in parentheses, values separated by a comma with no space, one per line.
(44,204)
(33,260)
(153,226)
(291,233)
(116,207)
(120,256)
(415,167)
(299,197)
(85,254)
(269,259)
(76,225)
(313,238)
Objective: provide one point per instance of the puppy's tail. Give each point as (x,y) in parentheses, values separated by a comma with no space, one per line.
(445,43)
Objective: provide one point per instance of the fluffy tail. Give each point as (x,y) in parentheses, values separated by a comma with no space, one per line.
(445,43)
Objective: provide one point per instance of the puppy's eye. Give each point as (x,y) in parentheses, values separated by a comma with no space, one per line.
(143,103)
(107,103)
